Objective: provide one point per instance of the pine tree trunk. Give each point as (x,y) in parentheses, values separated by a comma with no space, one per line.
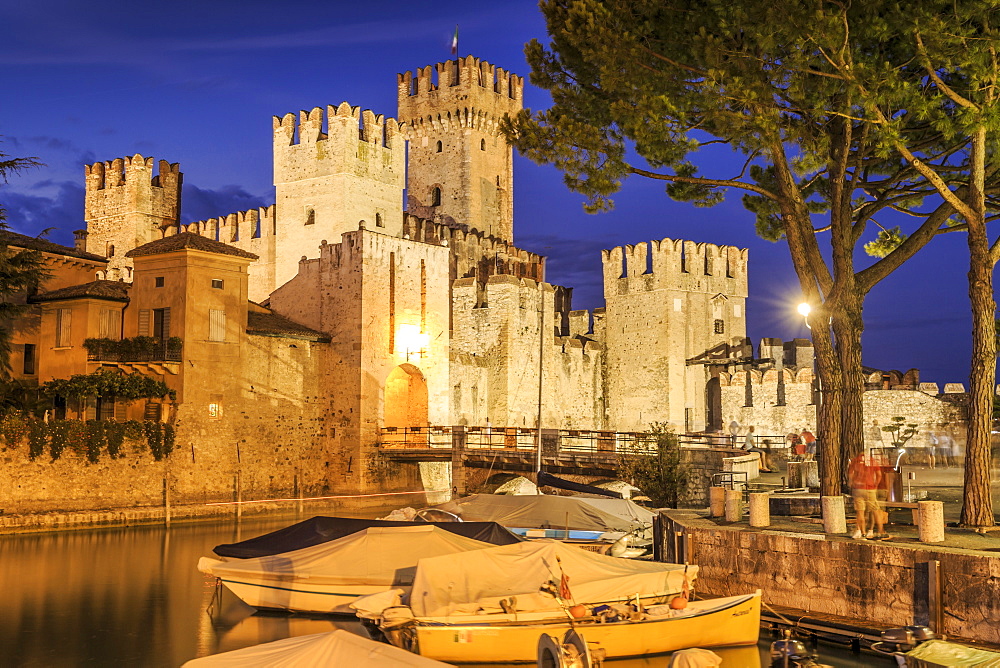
(848,326)
(829,409)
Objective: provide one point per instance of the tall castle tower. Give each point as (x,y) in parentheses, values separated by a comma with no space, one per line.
(126,206)
(333,170)
(460,168)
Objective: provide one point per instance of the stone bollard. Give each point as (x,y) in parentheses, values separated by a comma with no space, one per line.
(760,509)
(931,529)
(810,474)
(734,505)
(716,501)
(834,519)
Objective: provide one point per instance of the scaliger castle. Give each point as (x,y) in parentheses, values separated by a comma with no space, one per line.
(310,328)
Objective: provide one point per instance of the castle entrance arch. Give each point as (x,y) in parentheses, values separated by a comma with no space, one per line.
(405,398)
(713,404)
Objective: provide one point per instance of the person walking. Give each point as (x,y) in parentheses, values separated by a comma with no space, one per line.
(865,479)
(734,431)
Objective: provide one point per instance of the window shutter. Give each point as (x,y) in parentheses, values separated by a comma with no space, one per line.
(217,325)
(90,409)
(111,324)
(64,321)
(152,413)
(144,322)
(166,323)
(121,411)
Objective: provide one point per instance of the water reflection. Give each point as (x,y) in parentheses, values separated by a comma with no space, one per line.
(133,597)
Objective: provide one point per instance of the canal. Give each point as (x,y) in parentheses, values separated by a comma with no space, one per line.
(133,597)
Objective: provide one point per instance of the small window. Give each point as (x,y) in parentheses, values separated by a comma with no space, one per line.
(110,325)
(378,220)
(439,147)
(218,283)
(216,325)
(29,358)
(158,281)
(436,197)
(64,322)
(111,250)
(720,327)
(482,144)
(310,217)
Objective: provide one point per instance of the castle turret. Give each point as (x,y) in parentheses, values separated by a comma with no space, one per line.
(460,167)
(334,168)
(126,206)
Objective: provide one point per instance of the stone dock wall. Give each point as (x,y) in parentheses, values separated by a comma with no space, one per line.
(886,583)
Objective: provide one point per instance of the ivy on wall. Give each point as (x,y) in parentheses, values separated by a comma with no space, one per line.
(90,439)
(107,382)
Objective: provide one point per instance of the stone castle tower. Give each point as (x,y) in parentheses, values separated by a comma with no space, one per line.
(460,168)
(127,206)
(331,171)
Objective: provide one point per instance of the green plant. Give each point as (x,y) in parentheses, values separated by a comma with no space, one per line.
(115,438)
(901,431)
(37,438)
(58,437)
(107,382)
(657,471)
(95,440)
(169,436)
(14,429)
(154,439)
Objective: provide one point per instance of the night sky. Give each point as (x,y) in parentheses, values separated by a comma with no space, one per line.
(198,82)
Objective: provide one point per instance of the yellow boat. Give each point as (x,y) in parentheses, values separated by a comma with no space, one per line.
(502,638)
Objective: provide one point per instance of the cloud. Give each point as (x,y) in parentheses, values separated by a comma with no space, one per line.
(202,203)
(49,204)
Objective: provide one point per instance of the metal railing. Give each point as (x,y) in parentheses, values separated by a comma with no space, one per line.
(514,439)
(160,352)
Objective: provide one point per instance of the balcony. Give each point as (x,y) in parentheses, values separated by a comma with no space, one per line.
(135,349)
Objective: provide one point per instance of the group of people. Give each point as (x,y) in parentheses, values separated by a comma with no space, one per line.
(869,489)
(802,444)
(941,448)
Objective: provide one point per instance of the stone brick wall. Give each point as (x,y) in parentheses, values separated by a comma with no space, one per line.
(885,583)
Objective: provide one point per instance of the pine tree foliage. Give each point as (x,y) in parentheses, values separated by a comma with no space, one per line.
(864,126)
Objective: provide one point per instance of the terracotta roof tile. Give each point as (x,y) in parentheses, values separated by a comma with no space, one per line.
(272,324)
(34,243)
(191,241)
(109,290)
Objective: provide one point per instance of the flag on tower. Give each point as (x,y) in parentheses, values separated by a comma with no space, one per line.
(454,42)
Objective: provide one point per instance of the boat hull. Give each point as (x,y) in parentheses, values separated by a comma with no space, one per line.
(299,597)
(734,621)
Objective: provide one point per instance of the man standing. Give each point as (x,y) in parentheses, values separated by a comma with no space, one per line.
(734,431)
(810,440)
(865,479)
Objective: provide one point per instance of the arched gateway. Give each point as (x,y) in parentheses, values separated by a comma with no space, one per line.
(405,398)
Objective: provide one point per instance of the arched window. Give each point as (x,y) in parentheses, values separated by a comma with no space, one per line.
(439,146)
(378,220)
(482,144)
(111,250)
(310,217)
(436,197)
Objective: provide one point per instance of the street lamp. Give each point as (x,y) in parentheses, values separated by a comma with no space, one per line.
(804,310)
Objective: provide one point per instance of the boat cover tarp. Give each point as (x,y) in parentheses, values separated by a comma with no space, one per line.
(546,511)
(463,583)
(375,556)
(550,480)
(336,648)
(938,653)
(322,529)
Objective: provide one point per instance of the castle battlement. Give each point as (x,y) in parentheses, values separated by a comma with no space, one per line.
(469,82)
(675,264)
(131,171)
(236,227)
(351,122)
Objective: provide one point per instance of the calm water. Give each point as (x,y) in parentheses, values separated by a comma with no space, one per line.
(133,597)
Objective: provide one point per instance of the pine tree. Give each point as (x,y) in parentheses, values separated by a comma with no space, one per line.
(20,270)
(848,115)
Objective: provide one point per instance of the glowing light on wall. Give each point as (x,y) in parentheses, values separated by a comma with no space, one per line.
(411,341)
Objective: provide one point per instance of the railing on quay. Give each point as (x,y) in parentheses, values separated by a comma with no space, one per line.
(512,439)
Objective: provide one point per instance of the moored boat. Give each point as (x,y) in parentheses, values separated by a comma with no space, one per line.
(325,578)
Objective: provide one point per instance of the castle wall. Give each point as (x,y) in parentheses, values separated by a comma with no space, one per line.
(668,302)
(496,348)
(126,206)
(452,111)
(780,401)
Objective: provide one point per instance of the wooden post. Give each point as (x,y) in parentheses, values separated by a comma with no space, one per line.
(834,517)
(239,496)
(717,501)
(166,501)
(760,509)
(931,529)
(734,505)
(935,606)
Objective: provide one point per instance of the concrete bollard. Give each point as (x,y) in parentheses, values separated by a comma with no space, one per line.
(760,509)
(734,505)
(716,501)
(931,529)
(834,517)
(810,474)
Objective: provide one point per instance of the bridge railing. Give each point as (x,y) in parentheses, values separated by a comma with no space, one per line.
(517,439)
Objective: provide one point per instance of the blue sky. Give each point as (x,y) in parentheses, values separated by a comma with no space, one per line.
(198,82)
